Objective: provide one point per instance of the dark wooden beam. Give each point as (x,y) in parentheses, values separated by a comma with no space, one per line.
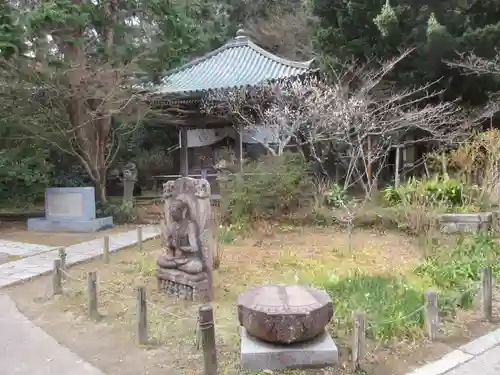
(184,152)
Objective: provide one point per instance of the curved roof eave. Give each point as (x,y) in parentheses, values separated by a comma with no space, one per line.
(238,63)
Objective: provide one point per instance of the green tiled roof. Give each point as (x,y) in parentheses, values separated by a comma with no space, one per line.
(239,62)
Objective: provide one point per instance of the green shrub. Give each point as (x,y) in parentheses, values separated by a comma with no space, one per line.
(457,268)
(121,213)
(417,219)
(336,196)
(270,187)
(437,191)
(24,176)
(321,216)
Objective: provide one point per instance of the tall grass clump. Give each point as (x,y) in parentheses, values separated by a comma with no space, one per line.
(455,271)
(462,263)
(391,305)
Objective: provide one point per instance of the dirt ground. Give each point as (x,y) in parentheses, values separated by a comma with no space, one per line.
(110,342)
(16,231)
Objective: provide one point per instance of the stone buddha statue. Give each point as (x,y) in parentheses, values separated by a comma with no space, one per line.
(182,243)
(185,267)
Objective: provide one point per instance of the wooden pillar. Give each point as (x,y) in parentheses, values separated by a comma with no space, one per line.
(397,162)
(184,166)
(239,147)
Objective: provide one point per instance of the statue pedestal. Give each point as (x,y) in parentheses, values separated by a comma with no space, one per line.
(184,285)
(128,191)
(258,355)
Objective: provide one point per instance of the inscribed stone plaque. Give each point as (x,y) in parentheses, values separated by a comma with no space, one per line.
(70,204)
(65,204)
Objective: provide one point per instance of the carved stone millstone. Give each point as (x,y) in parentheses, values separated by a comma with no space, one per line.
(284,314)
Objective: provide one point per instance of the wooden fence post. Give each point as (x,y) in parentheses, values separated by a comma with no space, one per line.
(142,316)
(62,256)
(105,250)
(56,278)
(92,295)
(487,293)
(139,237)
(207,329)
(431,314)
(358,340)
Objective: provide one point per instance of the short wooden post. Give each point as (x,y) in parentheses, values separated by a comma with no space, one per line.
(207,329)
(56,277)
(139,238)
(358,340)
(431,314)
(142,316)
(92,295)
(105,250)
(487,293)
(62,256)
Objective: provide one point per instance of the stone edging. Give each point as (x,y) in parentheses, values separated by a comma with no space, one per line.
(460,356)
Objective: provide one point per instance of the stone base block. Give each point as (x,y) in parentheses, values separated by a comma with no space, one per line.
(80,226)
(184,286)
(257,355)
(466,223)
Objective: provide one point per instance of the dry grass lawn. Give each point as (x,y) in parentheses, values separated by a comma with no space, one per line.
(310,252)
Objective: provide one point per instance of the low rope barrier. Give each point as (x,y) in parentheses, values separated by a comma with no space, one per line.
(360,323)
(124,296)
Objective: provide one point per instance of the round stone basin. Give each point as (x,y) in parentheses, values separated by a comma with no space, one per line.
(284,314)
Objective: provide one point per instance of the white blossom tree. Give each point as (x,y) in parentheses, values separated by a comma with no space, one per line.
(357,116)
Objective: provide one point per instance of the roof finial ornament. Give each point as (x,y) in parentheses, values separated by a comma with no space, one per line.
(241,34)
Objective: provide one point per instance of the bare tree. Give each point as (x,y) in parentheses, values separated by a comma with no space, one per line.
(471,64)
(357,116)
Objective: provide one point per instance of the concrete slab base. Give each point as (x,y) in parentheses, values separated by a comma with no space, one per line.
(257,355)
(80,226)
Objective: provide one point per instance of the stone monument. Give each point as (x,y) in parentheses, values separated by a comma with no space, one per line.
(69,210)
(284,327)
(185,268)
(129,179)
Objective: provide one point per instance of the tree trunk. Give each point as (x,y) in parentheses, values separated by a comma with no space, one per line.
(88,102)
(101,190)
